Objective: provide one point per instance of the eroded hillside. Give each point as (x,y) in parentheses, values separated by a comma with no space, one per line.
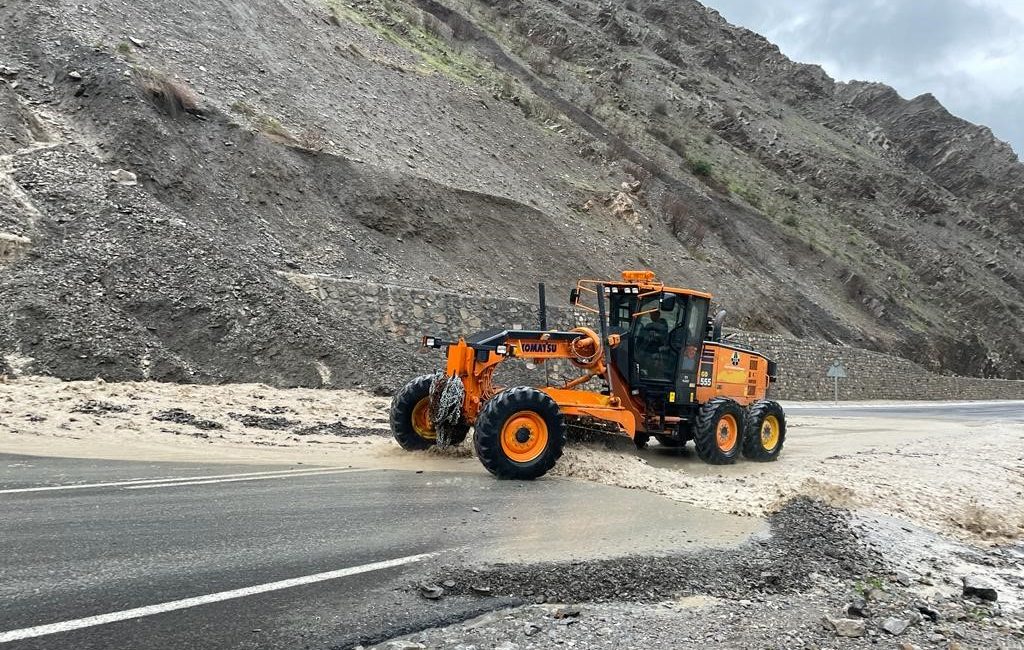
(474,146)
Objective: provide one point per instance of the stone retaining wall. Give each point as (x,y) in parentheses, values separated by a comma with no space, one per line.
(871,375)
(408,313)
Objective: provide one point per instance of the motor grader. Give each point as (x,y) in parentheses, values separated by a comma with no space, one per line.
(659,367)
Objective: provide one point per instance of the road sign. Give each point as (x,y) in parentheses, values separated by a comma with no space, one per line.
(837,371)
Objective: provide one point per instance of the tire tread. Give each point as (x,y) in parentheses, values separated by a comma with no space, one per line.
(492,417)
(752,447)
(705,431)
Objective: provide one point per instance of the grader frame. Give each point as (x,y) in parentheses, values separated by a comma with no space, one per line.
(699,386)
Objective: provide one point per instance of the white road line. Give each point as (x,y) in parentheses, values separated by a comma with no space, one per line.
(82,486)
(247,478)
(150,610)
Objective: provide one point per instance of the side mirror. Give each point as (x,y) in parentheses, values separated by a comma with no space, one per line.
(668,302)
(574,296)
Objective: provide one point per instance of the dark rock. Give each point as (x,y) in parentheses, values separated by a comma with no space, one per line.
(96,407)
(928,612)
(339,429)
(980,588)
(857,607)
(181,416)
(263,421)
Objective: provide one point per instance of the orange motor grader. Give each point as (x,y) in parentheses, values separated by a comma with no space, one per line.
(659,365)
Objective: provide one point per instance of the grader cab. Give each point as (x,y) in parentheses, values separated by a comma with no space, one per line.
(654,366)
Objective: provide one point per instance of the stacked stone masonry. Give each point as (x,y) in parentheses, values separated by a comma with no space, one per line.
(409,313)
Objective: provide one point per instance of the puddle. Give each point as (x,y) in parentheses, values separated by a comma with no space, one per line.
(556,520)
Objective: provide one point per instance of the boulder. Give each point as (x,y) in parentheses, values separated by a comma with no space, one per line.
(848,627)
(895,626)
(979,588)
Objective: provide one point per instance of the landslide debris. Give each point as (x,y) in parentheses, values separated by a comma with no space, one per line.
(809,541)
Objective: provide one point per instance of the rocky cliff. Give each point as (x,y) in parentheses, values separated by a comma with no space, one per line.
(167,159)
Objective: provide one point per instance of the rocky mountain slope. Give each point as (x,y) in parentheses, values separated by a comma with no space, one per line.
(167,159)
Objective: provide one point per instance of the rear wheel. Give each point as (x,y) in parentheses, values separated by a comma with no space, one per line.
(410,417)
(765,432)
(719,430)
(520,433)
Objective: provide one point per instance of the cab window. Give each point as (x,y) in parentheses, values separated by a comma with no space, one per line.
(654,356)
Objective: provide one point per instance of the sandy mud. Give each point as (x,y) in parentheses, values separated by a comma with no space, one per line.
(964,479)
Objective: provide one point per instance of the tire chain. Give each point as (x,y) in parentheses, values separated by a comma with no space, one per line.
(447,395)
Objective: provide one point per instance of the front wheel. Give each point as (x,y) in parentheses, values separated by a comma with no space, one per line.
(410,415)
(520,433)
(765,431)
(719,430)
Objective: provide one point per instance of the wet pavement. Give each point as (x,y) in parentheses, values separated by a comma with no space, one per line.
(156,533)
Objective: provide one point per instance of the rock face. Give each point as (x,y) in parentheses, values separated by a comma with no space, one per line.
(963,158)
(449,146)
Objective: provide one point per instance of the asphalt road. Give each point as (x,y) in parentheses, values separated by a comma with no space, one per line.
(172,555)
(1007,411)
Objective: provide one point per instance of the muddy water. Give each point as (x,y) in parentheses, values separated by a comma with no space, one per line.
(954,477)
(558,519)
(937,564)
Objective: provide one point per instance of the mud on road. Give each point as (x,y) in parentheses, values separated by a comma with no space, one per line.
(959,478)
(933,502)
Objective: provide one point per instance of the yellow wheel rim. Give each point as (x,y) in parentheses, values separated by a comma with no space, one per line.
(524,436)
(770,433)
(727,433)
(421,423)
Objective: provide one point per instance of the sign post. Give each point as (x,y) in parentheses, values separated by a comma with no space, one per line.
(836,371)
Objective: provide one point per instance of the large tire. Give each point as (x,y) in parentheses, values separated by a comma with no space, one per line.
(520,433)
(765,431)
(410,417)
(718,435)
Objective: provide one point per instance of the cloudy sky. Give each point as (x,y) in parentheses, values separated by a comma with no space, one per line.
(968,53)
